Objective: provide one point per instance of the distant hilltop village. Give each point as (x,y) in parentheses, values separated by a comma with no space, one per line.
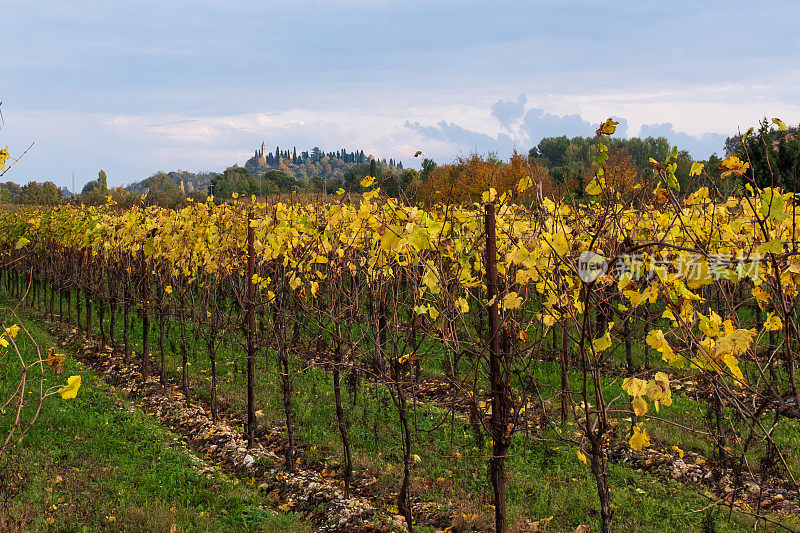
(279,171)
(263,160)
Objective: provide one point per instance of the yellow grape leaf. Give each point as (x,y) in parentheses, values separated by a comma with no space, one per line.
(661,195)
(662,379)
(697,169)
(781,125)
(639,406)
(761,296)
(70,390)
(735,343)
(431,280)
(608,127)
(168,289)
(733,365)
(594,187)
(710,325)
(639,440)
(603,342)
(433,313)
(367,181)
(12,331)
(524,184)
(403,359)
(634,386)
(489,195)
(4,155)
(655,339)
(678,451)
(22,242)
(340,191)
(148,247)
(462,305)
(733,165)
(512,300)
(658,390)
(581,457)
(773,323)
(421,309)
(670,315)
(560,244)
(634,296)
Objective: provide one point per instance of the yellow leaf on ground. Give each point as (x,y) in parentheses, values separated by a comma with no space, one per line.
(70,390)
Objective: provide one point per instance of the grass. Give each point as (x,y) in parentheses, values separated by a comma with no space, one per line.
(545,477)
(98,463)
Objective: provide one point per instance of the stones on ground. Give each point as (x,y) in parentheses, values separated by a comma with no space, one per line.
(317,496)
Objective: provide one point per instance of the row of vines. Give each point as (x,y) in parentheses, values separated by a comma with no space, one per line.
(383,292)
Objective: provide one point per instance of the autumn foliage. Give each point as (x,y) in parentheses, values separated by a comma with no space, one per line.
(466,179)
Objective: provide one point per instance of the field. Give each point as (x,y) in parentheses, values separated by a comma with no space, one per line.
(625,361)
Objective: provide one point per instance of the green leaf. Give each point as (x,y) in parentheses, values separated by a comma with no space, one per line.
(774,247)
(672,182)
(22,242)
(673,154)
(773,205)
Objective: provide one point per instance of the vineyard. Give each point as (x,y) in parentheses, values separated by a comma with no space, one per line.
(636,325)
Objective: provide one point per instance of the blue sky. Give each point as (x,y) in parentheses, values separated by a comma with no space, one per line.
(136,87)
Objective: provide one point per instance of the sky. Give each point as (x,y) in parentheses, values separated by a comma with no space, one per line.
(137,87)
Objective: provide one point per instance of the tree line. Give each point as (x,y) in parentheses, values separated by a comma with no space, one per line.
(561,165)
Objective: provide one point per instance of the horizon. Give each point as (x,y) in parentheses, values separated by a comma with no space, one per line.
(140,87)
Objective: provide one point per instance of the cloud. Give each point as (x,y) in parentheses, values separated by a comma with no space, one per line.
(538,124)
(464,139)
(508,111)
(699,147)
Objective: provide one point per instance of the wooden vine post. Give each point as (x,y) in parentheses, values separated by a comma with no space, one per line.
(145,281)
(500,419)
(251,328)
